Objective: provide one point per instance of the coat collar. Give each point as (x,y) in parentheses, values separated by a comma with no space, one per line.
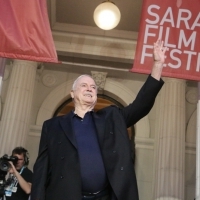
(67,126)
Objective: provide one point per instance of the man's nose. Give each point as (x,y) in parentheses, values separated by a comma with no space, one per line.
(89,89)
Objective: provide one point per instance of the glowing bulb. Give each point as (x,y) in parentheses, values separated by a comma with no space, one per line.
(107,16)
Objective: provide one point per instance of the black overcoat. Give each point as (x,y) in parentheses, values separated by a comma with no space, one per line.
(57,170)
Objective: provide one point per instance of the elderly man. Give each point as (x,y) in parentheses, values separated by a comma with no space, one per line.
(86,155)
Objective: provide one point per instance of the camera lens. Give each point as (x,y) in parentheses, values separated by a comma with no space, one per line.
(4,166)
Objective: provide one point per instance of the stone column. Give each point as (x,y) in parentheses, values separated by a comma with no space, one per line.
(16,112)
(170,142)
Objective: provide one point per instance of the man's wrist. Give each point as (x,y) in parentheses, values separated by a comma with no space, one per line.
(158,62)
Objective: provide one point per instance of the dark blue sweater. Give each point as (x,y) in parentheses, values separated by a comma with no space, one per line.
(93,172)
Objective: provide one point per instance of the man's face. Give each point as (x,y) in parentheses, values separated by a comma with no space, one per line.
(85,91)
(20,162)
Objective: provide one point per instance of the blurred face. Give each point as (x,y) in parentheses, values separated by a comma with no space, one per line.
(85,91)
(20,162)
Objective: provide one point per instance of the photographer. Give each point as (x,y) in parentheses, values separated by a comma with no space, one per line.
(21,176)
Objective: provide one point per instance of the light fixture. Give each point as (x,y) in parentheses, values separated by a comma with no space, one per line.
(107,15)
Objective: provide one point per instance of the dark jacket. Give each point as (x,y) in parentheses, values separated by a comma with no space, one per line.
(57,170)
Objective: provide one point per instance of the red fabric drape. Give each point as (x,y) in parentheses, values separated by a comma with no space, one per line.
(25,31)
(177,23)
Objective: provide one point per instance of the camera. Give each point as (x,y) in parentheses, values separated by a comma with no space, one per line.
(4,162)
(4,168)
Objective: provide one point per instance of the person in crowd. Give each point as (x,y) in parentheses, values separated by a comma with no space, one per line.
(20,176)
(87,155)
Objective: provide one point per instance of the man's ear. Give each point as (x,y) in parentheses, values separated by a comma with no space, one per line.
(72,94)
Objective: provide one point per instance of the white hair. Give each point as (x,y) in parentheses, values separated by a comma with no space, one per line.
(75,82)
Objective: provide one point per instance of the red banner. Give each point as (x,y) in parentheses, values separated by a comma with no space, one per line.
(177,23)
(25,31)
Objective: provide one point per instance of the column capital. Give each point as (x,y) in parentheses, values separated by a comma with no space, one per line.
(25,62)
(174,80)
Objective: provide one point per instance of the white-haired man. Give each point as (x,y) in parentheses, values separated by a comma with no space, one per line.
(86,155)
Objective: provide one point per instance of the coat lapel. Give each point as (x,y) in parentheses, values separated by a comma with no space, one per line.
(100,127)
(67,126)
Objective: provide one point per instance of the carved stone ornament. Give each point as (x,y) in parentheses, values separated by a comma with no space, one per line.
(192,96)
(49,80)
(99,78)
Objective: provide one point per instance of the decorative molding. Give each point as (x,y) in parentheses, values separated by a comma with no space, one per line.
(79,44)
(100,79)
(144,143)
(49,80)
(35,130)
(94,31)
(190,148)
(192,96)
